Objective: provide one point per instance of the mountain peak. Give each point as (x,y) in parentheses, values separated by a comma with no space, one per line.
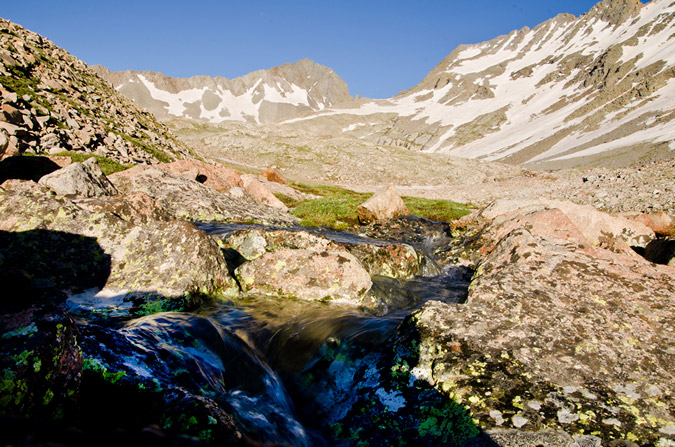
(616,11)
(263,96)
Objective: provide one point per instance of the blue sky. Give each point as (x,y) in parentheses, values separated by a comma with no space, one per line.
(378,47)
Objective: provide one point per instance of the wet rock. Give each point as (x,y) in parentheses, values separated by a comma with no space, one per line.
(216,177)
(384,205)
(360,390)
(331,276)
(192,200)
(187,375)
(143,261)
(81,179)
(260,193)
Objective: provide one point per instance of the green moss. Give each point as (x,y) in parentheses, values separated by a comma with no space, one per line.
(89,364)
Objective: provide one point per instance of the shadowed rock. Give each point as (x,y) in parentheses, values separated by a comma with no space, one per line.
(155,260)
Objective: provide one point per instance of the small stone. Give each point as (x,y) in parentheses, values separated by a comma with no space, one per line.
(612,421)
(567,417)
(653,390)
(534,404)
(497,416)
(519,421)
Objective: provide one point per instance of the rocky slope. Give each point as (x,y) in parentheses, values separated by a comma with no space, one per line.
(261,97)
(592,90)
(51,102)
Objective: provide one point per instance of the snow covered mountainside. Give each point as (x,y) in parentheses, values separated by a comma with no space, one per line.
(597,89)
(260,97)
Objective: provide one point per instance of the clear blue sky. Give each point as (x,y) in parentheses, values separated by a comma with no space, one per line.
(379,47)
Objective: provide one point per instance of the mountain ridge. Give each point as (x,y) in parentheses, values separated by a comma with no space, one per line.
(261,96)
(569,92)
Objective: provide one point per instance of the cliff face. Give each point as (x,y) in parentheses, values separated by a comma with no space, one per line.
(263,96)
(51,102)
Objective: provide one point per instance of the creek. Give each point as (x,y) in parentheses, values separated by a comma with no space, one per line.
(288,372)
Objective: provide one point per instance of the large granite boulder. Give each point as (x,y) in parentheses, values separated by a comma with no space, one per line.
(384,205)
(141,259)
(192,200)
(558,335)
(82,179)
(595,225)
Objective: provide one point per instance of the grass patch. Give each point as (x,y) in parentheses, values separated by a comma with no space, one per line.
(149,148)
(337,207)
(438,210)
(107,165)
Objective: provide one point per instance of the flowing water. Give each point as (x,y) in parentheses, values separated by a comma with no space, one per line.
(290,372)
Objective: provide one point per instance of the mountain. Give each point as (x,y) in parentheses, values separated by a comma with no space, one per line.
(597,89)
(51,102)
(263,96)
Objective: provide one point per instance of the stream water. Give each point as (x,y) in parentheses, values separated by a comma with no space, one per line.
(290,372)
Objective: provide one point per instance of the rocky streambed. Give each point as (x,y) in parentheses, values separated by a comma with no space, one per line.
(526,323)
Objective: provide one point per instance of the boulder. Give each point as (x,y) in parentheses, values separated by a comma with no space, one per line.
(185,373)
(331,276)
(193,200)
(271,175)
(260,193)
(661,223)
(82,179)
(113,256)
(384,205)
(4,142)
(556,336)
(216,177)
(395,260)
(595,226)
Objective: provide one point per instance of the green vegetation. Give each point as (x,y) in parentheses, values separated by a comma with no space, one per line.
(107,165)
(21,80)
(337,207)
(147,147)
